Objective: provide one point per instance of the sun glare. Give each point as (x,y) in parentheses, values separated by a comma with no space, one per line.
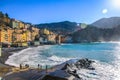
(115,4)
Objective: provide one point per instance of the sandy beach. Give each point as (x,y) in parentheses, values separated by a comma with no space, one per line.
(6,52)
(74,69)
(24,74)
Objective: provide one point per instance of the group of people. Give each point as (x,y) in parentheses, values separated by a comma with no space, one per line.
(39,67)
(27,66)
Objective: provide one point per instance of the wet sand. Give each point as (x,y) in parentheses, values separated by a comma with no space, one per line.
(6,52)
(30,74)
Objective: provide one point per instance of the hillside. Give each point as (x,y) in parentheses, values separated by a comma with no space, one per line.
(105,29)
(107,22)
(65,27)
(94,34)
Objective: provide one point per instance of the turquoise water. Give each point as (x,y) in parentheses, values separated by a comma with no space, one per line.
(56,54)
(106,56)
(98,51)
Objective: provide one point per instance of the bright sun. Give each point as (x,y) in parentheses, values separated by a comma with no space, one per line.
(115,3)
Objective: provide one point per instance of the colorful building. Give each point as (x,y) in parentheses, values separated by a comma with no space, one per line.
(51,37)
(20,37)
(14,23)
(35,32)
(6,35)
(6,20)
(45,31)
(18,33)
(29,36)
(47,37)
(10,31)
(21,25)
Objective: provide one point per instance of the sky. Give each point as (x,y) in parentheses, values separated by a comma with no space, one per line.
(47,11)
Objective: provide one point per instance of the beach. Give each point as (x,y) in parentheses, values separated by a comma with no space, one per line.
(6,52)
(105,58)
(7,73)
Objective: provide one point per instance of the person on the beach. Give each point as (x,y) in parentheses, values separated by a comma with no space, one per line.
(38,66)
(20,66)
(46,69)
(26,66)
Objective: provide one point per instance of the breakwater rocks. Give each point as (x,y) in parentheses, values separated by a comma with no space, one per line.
(69,70)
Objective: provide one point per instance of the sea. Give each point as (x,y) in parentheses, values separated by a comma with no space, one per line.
(105,54)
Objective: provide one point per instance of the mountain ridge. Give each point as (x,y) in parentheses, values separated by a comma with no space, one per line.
(111,22)
(64,27)
(107,29)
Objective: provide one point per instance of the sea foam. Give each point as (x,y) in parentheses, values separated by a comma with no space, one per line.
(44,55)
(26,56)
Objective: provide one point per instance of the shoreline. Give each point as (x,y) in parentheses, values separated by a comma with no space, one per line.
(6,52)
(32,73)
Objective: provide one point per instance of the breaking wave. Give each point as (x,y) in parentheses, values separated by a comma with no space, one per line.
(105,55)
(34,56)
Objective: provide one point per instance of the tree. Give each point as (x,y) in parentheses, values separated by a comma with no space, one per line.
(1,14)
(6,15)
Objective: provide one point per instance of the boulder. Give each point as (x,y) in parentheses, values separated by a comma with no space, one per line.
(84,63)
(58,75)
(69,70)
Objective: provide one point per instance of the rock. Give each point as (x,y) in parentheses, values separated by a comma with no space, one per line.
(49,77)
(84,63)
(58,75)
(69,70)
(65,66)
